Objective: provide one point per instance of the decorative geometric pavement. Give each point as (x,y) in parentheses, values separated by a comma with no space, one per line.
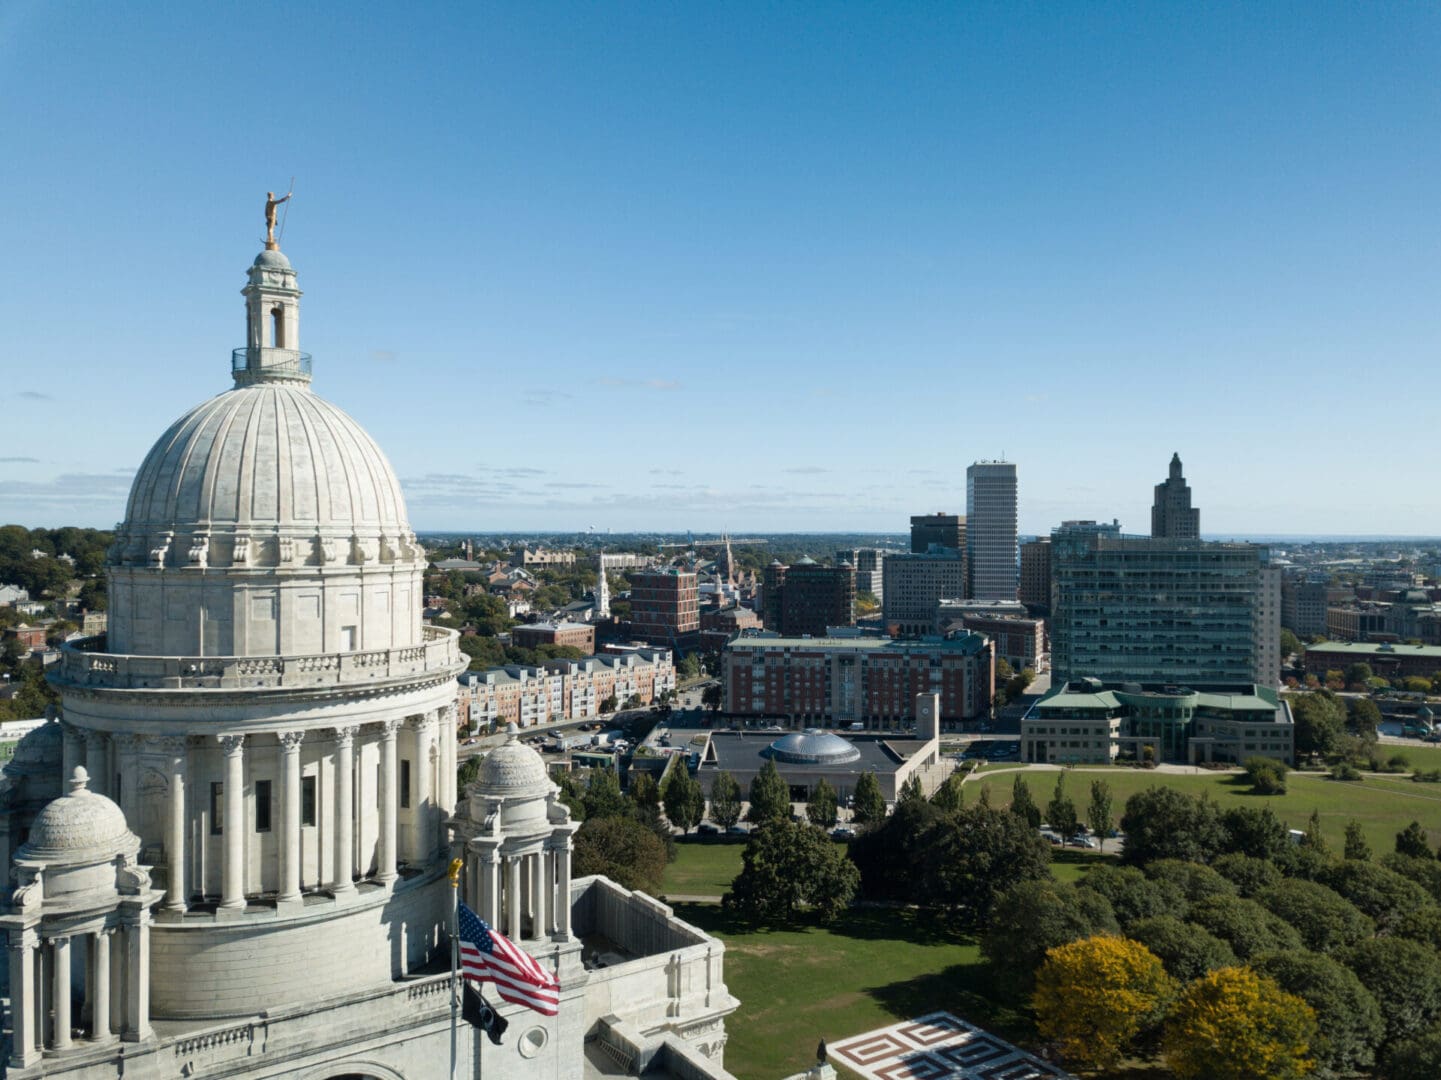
(938,1047)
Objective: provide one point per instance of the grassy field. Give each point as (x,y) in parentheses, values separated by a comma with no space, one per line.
(1384,806)
(702,869)
(872,968)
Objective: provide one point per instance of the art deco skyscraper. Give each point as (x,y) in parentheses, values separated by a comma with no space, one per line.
(1172,516)
(991,550)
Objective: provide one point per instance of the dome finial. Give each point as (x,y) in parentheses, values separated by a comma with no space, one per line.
(512,733)
(79,780)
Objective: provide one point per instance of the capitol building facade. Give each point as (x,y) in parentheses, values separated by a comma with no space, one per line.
(228,855)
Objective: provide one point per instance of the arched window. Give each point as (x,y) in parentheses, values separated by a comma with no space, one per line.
(277,326)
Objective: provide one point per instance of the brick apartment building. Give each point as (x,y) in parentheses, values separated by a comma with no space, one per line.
(846,680)
(562,689)
(576,635)
(665,608)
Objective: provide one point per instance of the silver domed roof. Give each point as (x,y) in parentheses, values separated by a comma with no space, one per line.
(41,749)
(80,826)
(513,770)
(272,260)
(813,747)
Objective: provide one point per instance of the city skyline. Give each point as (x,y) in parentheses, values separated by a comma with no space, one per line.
(1095,237)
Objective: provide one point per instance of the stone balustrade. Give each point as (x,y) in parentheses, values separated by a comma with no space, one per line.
(86,663)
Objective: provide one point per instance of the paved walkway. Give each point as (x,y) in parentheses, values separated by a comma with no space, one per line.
(938,1046)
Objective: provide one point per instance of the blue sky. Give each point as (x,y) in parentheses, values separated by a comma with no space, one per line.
(757,267)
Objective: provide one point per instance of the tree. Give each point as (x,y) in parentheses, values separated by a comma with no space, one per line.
(725,800)
(1324,918)
(1423,870)
(1232,1024)
(1363,716)
(1033,917)
(1194,881)
(1413,842)
(1188,951)
(1356,846)
(1022,805)
(602,795)
(712,697)
(683,797)
(1249,874)
(1094,996)
(770,796)
(1133,896)
(1349,1024)
(1061,811)
(572,794)
(951,795)
(788,866)
(643,790)
(1405,978)
(608,705)
(623,850)
(1319,721)
(821,810)
(868,805)
(983,852)
(1254,830)
(689,667)
(1359,674)
(1101,813)
(1162,822)
(1382,894)
(1267,775)
(899,857)
(1291,645)
(1423,925)
(1414,1059)
(1315,839)
(911,789)
(1244,925)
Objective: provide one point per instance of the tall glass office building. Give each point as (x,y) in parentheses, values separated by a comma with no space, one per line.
(993,567)
(1159,611)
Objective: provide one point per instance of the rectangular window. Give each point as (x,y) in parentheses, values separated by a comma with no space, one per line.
(404,784)
(262,806)
(307,800)
(217,804)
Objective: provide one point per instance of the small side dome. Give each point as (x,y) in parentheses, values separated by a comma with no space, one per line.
(40,750)
(513,770)
(272,260)
(813,747)
(80,826)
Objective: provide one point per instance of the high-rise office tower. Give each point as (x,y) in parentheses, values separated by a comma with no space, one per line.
(991,551)
(1036,573)
(816,597)
(1172,515)
(1162,611)
(914,584)
(942,530)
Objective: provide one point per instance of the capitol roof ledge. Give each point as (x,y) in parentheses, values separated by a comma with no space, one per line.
(86,663)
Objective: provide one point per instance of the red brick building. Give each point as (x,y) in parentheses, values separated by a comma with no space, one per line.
(577,635)
(665,608)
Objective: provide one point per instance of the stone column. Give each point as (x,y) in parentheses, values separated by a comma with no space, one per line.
(44,965)
(512,898)
(447,759)
(232,878)
(290,815)
(72,751)
(490,886)
(97,761)
(60,983)
(177,827)
(100,987)
(23,1050)
(137,984)
(562,888)
(127,766)
(425,830)
(344,809)
(552,904)
(389,803)
(537,896)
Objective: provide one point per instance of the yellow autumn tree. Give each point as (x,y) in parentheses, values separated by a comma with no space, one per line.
(1095,995)
(1233,1024)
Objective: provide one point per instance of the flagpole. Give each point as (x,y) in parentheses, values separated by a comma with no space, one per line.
(455,868)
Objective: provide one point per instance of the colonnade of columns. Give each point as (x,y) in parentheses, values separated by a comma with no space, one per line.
(116,993)
(426,741)
(525,893)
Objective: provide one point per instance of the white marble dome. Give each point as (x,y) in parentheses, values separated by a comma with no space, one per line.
(80,826)
(513,771)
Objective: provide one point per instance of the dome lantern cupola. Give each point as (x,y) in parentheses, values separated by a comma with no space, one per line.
(272,316)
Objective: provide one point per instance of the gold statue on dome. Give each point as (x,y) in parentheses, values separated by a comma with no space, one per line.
(271,202)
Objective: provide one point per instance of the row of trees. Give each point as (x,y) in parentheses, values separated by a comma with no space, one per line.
(1274,957)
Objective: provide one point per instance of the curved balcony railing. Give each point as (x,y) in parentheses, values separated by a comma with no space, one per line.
(262,363)
(86,663)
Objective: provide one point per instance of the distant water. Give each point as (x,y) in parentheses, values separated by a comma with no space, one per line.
(1323,538)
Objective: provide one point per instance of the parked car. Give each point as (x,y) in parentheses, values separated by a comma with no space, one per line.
(1081,841)
(706,828)
(740,828)
(843,832)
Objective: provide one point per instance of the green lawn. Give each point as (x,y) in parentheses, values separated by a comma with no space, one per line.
(874,967)
(1384,806)
(702,869)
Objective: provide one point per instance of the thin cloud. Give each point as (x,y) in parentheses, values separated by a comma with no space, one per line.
(19,461)
(807,470)
(34,395)
(382,356)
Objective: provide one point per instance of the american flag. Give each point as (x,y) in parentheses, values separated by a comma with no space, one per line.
(485,954)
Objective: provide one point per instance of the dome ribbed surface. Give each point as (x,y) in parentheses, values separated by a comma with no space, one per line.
(513,769)
(78,825)
(43,748)
(268,454)
(813,747)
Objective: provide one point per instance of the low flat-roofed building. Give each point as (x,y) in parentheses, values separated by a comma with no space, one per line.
(1387,659)
(1086,721)
(576,635)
